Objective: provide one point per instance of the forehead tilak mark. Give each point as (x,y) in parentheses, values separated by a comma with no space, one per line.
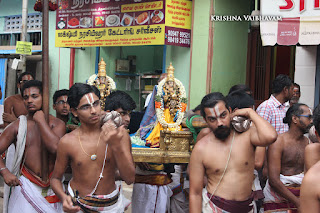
(216,111)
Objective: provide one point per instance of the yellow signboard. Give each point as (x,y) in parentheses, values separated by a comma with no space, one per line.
(178,13)
(155,5)
(123,23)
(115,36)
(24,48)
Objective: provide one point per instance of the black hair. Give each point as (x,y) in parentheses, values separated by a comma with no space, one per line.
(32,83)
(23,74)
(280,82)
(239,99)
(59,93)
(316,118)
(197,108)
(294,110)
(119,99)
(210,100)
(78,90)
(242,87)
(296,85)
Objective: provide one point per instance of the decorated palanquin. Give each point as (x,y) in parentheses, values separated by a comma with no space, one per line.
(104,83)
(166,141)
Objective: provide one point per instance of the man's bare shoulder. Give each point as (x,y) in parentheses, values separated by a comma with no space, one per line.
(204,141)
(312,176)
(313,147)
(203,133)
(13,98)
(69,139)
(56,121)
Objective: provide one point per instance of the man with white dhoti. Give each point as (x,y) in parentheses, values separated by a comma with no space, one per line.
(227,157)
(286,162)
(95,152)
(22,172)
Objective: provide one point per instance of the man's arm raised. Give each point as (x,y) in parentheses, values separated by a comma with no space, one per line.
(59,169)
(119,141)
(262,133)
(274,169)
(196,179)
(49,136)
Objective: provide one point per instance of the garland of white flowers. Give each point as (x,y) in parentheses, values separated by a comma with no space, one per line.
(93,78)
(160,111)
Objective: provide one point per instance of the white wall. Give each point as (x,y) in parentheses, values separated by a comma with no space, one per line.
(305,72)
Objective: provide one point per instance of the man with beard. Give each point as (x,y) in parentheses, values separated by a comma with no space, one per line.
(14,105)
(274,109)
(23,175)
(226,157)
(296,94)
(286,162)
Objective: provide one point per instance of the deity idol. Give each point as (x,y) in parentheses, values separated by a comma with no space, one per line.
(170,104)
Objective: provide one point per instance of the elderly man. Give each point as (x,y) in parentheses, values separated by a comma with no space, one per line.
(28,134)
(14,105)
(226,157)
(310,188)
(274,109)
(102,150)
(286,162)
(296,94)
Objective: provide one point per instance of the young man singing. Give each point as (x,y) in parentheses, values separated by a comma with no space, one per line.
(95,152)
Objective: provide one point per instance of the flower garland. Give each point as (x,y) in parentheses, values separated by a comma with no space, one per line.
(92,81)
(159,105)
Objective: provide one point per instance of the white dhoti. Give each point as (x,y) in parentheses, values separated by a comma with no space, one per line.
(273,202)
(153,198)
(30,198)
(115,200)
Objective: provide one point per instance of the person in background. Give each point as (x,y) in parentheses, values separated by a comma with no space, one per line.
(286,162)
(13,105)
(121,102)
(61,105)
(296,94)
(310,187)
(274,109)
(312,152)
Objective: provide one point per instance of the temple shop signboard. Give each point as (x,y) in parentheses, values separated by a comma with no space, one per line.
(83,23)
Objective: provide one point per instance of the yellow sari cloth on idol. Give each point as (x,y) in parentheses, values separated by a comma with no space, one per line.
(154,137)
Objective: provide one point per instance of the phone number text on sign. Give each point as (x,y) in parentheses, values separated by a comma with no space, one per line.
(178,37)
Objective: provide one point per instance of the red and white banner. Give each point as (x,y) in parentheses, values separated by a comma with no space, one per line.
(300,22)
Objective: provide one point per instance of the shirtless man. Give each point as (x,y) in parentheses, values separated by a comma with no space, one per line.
(226,158)
(94,153)
(310,188)
(25,175)
(286,162)
(312,151)
(13,105)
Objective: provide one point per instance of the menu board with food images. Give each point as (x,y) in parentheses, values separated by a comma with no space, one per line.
(114,23)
